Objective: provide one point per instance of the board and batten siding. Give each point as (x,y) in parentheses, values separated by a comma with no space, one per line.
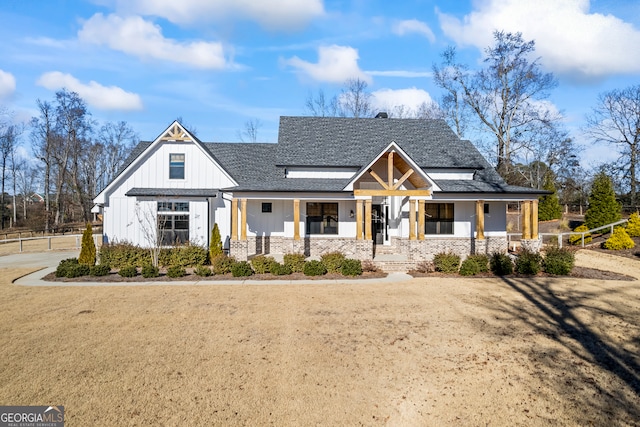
(152,171)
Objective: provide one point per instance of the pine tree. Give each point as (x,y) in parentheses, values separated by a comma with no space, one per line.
(215,243)
(603,207)
(88,250)
(549,207)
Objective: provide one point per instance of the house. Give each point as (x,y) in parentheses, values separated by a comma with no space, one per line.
(408,187)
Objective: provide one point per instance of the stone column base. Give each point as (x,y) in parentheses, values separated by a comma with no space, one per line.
(531,245)
(239,249)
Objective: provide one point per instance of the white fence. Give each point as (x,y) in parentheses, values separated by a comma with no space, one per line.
(97,238)
(560,236)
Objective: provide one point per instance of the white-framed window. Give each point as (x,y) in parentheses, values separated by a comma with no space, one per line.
(176,166)
(173,222)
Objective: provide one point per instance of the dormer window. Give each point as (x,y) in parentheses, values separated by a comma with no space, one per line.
(176,166)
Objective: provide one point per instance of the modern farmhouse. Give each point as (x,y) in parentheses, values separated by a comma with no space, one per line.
(408,187)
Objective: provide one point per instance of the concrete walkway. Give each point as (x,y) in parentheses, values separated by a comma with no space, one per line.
(48,261)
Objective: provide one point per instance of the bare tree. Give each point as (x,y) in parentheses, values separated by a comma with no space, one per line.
(455,110)
(319,106)
(114,142)
(151,230)
(355,100)
(26,179)
(8,142)
(43,140)
(250,132)
(506,96)
(615,120)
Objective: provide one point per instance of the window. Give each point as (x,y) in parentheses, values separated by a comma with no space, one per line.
(173,222)
(267,208)
(486,208)
(438,218)
(322,218)
(176,166)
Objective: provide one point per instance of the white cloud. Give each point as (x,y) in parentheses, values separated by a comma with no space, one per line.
(135,36)
(569,39)
(402,28)
(272,14)
(411,98)
(336,64)
(400,73)
(96,95)
(7,84)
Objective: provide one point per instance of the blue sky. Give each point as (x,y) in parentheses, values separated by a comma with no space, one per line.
(219,63)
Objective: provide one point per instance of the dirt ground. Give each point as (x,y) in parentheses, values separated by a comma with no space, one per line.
(428,351)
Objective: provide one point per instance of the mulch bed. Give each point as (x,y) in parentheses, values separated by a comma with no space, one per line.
(577,272)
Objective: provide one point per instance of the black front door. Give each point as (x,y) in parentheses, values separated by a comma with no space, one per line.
(378,228)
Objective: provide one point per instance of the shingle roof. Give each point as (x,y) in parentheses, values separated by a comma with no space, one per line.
(349,142)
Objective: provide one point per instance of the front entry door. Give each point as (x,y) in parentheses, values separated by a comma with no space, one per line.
(378,224)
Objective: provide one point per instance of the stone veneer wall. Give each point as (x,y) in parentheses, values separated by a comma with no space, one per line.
(351,248)
(531,245)
(491,244)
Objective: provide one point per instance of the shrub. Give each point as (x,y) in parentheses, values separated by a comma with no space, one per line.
(175,271)
(149,271)
(369,266)
(64,265)
(528,263)
(351,267)
(633,225)
(295,262)
(603,206)
(500,264)
(549,207)
(203,271)
(99,270)
(78,270)
(128,271)
(241,269)
(425,267)
(332,261)
(187,256)
(619,240)
(119,255)
(88,250)
(446,262)
(278,269)
(558,261)
(576,239)
(314,268)
(222,264)
(261,264)
(215,242)
(474,264)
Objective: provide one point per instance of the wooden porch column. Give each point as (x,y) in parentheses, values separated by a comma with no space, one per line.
(358,219)
(526,220)
(412,220)
(296,219)
(420,219)
(480,219)
(243,219)
(534,219)
(367,219)
(234,219)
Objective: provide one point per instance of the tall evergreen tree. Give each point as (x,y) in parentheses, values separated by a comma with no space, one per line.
(603,206)
(88,250)
(549,207)
(215,243)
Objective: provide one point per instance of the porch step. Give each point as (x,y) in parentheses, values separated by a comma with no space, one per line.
(395,266)
(385,250)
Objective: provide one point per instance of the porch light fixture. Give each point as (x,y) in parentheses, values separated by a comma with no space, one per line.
(351,214)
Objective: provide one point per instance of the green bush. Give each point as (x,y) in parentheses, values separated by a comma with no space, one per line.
(99,270)
(332,261)
(222,264)
(148,271)
(314,268)
(500,264)
(278,269)
(446,262)
(78,270)
(241,269)
(184,256)
(619,240)
(128,271)
(203,271)
(474,264)
(603,206)
(528,263)
(65,265)
(295,262)
(88,250)
(633,225)
(215,243)
(261,263)
(558,261)
(175,271)
(119,255)
(549,207)
(576,239)
(351,267)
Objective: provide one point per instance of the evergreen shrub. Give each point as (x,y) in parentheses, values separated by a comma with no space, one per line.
(558,261)
(176,271)
(278,269)
(241,269)
(446,262)
(215,242)
(99,270)
(88,249)
(128,271)
(222,264)
(333,261)
(474,264)
(314,268)
(528,263)
(351,267)
(619,240)
(500,264)
(295,262)
(119,255)
(576,239)
(203,271)
(633,225)
(65,265)
(603,206)
(262,264)
(149,271)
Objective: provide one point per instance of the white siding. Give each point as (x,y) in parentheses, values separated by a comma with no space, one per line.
(328,173)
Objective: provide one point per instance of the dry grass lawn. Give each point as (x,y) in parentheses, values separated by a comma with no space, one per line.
(435,352)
